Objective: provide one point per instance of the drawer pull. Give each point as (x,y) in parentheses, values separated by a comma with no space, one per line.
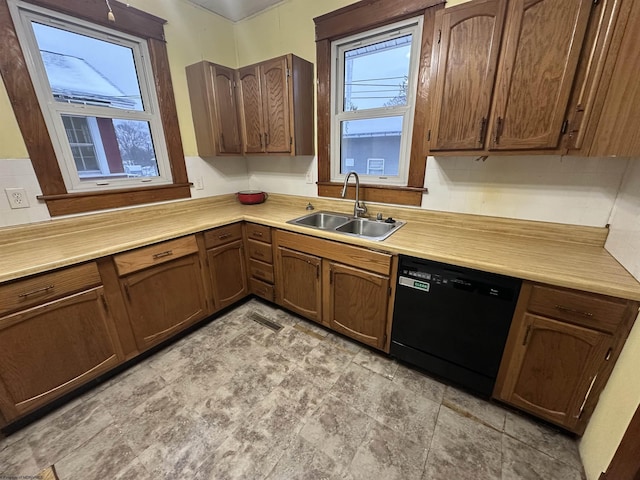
(571,310)
(224,236)
(34,292)
(257,234)
(168,253)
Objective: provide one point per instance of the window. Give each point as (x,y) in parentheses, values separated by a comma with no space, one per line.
(373,97)
(384,138)
(98,101)
(94,101)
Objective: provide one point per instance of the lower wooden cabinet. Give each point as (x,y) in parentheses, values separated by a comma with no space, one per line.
(228,273)
(556,364)
(357,303)
(50,349)
(346,288)
(165,298)
(298,283)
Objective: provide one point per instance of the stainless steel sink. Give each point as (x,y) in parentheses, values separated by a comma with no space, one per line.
(370,229)
(322,220)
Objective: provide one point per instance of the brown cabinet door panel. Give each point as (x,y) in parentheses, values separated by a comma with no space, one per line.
(541,46)
(227,110)
(228,273)
(553,369)
(251,114)
(50,349)
(470,37)
(276,109)
(164,299)
(298,283)
(357,303)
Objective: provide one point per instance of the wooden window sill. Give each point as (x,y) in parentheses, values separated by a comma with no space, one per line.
(375,193)
(70,203)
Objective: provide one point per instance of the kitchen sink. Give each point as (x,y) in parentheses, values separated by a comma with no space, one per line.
(370,229)
(322,220)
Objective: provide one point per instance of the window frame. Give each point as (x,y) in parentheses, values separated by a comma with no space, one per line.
(350,20)
(411,26)
(31,120)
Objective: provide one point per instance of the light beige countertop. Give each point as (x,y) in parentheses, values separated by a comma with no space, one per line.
(561,255)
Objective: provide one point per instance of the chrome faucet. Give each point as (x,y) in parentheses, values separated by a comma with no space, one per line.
(358,209)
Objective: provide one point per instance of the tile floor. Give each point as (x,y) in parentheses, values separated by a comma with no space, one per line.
(237,400)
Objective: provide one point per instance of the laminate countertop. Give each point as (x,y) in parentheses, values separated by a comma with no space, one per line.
(556,254)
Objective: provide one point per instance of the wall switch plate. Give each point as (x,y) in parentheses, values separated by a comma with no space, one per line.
(309,178)
(199,183)
(17,197)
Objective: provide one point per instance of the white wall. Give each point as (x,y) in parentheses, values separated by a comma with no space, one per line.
(572,190)
(621,397)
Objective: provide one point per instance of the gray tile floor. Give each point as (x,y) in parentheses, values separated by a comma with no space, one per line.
(237,400)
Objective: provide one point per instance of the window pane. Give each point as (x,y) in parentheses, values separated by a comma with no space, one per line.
(87,70)
(106,148)
(376,75)
(371,146)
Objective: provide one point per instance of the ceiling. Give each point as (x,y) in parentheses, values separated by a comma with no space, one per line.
(235,10)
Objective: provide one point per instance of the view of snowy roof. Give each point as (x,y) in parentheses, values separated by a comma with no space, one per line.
(74,80)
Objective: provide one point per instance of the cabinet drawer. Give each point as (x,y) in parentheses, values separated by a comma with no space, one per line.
(260,251)
(591,310)
(262,289)
(258,232)
(155,254)
(260,270)
(45,287)
(222,235)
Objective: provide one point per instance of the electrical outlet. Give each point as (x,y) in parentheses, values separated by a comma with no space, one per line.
(310,176)
(17,197)
(199,183)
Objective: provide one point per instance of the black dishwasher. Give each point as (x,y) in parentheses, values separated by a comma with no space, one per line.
(452,321)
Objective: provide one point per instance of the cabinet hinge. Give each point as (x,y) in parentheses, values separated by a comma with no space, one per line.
(234,84)
(596,2)
(439,36)
(389,289)
(608,355)
(384,339)
(288,72)
(526,335)
(429,135)
(290,141)
(565,127)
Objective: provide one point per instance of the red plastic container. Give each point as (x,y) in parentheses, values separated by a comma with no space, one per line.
(250,197)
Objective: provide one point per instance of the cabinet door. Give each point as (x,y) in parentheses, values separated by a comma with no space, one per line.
(275,94)
(356,303)
(467,55)
(541,46)
(553,368)
(164,299)
(51,349)
(298,283)
(228,124)
(228,273)
(251,109)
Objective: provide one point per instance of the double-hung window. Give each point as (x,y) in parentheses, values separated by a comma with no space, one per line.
(374,77)
(97,95)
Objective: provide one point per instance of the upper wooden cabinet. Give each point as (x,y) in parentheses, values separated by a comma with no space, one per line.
(605,105)
(266,108)
(212,90)
(466,58)
(540,47)
(276,106)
